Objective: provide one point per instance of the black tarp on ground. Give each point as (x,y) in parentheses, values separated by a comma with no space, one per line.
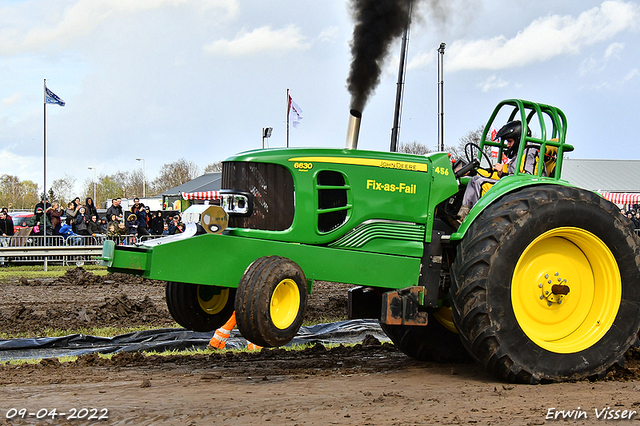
(352,331)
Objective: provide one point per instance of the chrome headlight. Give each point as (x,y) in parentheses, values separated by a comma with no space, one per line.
(236,203)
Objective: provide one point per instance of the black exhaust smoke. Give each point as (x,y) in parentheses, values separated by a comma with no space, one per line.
(377,24)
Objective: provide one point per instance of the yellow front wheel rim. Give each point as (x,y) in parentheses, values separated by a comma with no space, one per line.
(212,299)
(584,265)
(285,303)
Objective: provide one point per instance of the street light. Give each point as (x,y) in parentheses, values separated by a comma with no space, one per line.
(94,184)
(144,178)
(266,134)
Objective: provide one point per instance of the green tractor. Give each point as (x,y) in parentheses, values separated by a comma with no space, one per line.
(540,282)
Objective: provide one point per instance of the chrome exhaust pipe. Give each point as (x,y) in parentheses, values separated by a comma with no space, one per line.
(353,130)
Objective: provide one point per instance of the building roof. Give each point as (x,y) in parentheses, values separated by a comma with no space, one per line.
(603,175)
(206,182)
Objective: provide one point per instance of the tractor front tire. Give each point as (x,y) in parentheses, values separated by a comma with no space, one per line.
(546,286)
(271,300)
(437,341)
(199,307)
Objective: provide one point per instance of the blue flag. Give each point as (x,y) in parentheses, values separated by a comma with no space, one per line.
(52,98)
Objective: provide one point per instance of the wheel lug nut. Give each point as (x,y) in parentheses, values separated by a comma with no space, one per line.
(557,274)
(541,297)
(546,275)
(540,285)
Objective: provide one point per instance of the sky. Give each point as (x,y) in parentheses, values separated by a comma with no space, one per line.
(169,79)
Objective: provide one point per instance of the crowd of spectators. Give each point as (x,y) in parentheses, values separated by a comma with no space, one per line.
(633,215)
(79,219)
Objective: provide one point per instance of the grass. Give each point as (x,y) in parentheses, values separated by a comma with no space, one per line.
(90,331)
(173,352)
(10,272)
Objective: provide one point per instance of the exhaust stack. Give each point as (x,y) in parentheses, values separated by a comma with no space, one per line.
(353,130)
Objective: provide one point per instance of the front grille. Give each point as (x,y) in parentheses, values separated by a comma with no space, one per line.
(272,188)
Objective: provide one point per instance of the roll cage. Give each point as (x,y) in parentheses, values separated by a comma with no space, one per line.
(550,142)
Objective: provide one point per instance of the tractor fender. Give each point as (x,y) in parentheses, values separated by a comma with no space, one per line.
(504,186)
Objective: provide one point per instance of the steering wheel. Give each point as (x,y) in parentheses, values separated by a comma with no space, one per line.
(471,150)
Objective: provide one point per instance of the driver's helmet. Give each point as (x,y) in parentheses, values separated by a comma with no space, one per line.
(512,130)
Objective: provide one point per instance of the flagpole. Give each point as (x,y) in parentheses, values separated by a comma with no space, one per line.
(44,144)
(288,108)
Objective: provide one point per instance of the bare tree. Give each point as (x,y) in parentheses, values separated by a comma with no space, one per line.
(174,174)
(472,136)
(214,167)
(413,148)
(16,194)
(62,189)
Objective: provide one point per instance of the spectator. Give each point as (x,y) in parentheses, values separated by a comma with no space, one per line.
(81,221)
(157,224)
(54,213)
(637,220)
(132,224)
(69,236)
(41,204)
(115,208)
(103,225)
(93,226)
(141,216)
(165,229)
(91,207)
(6,231)
(113,220)
(37,223)
(71,212)
(6,210)
(173,225)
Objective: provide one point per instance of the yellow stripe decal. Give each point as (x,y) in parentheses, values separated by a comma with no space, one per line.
(400,165)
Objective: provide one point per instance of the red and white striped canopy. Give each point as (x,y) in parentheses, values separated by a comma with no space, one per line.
(622,197)
(205,195)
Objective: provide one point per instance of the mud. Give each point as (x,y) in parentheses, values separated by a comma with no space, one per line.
(366,384)
(80,299)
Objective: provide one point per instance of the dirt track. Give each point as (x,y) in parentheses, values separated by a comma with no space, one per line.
(370,383)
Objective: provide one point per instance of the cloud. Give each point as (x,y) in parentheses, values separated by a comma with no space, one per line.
(492,83)
(591,65)
(260,40)
(329,34)
(26,29)
(545,38)
(11,100)
(631,74)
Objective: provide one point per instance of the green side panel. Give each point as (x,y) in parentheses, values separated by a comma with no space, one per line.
(221,260)
(502,187)
(130,260)
(406,239)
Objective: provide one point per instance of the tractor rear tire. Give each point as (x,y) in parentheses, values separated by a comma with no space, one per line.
(199,307)
(431,342)
(514,252)
(271,300)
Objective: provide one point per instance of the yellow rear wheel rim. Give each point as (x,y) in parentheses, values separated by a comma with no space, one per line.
(285,303)
(212,299)
(445,317)
(575,258)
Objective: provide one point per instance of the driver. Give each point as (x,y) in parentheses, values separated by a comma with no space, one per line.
(509,134)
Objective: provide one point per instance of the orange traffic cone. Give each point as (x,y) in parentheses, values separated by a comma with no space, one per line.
(253,346)
(219,339)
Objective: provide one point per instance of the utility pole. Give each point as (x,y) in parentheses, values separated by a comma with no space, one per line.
(441,97)
(395,131)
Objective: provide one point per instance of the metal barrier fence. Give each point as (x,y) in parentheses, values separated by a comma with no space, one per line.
(56,249)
